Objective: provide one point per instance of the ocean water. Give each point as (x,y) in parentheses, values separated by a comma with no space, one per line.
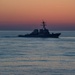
(37,56)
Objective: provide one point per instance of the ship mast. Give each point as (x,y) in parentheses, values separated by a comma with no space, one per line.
(43,24)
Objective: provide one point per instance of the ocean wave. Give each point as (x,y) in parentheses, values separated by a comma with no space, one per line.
(8,36)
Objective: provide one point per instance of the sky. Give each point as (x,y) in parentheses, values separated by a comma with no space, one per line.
(28,14)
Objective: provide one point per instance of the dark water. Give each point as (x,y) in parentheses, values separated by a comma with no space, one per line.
(37,56)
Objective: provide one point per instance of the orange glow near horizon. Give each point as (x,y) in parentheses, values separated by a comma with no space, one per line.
(33,11)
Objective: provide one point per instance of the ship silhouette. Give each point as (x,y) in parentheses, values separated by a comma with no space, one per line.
(42,33)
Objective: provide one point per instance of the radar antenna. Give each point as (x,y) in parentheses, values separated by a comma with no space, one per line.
(44,25)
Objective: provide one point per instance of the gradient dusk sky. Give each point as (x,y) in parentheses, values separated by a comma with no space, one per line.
(28,14)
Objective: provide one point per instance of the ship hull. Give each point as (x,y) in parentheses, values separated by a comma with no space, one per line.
(56,35)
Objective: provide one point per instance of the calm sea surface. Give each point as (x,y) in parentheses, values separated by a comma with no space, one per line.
(37,56)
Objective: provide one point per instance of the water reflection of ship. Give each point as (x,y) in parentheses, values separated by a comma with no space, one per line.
(42,33)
